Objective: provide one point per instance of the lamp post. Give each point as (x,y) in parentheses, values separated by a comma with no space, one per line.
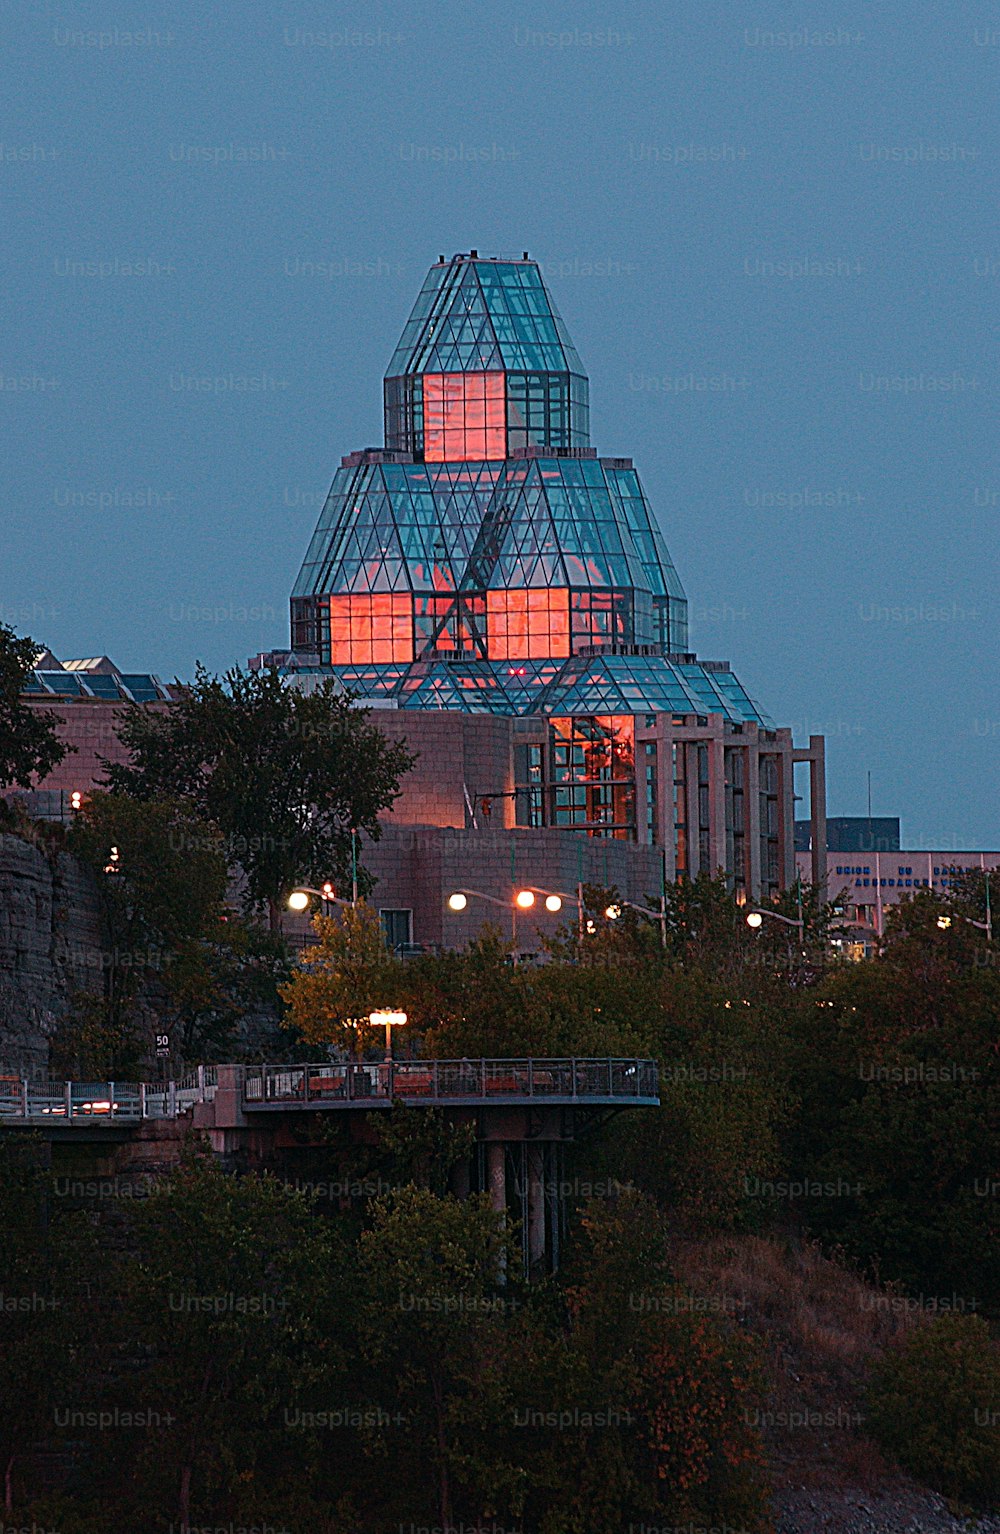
(388,1020)
(755,920)
(298,900)
(525,899)
(613,913)
(944,922)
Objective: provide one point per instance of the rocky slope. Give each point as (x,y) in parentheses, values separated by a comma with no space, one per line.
(50,947)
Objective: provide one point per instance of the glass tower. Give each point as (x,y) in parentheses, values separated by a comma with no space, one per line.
(486,558)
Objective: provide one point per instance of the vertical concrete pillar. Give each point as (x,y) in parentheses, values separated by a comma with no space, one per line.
(717,797)
(459,1180)
(755,881)
(693,799)
(817,810)
(496,1174)
(536,1204)
(786,808)
(665,793)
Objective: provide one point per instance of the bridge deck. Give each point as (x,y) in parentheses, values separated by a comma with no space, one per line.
(425,1083)
(281,1088)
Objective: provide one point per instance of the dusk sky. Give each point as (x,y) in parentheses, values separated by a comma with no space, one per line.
(771,231)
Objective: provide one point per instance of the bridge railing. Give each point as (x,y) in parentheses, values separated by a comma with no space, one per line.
(82,1102)
(450,1080)
(313,1086)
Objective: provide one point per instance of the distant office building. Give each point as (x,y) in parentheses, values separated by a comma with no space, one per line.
(853,833)
(866,885)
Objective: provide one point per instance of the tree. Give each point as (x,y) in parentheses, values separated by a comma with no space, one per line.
(162,879)
(286,776)
(43,1259)
(29,747)
(229,1295)
(933,1403)
(344,977)
(433,1319)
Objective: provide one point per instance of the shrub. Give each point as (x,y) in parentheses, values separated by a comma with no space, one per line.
(934,1403)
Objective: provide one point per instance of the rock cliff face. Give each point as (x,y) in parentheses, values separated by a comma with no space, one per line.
(50,947)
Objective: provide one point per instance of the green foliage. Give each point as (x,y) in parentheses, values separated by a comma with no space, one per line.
(432,1322)
(230,1298)
(284,775)
(342,978)
(46,1259)
(934,1404)
(899,1079)
(674,1389)
(162,879)
(29,746)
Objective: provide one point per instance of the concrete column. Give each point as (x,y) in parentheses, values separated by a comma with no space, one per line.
(459,1180)
(717,799)
(694,817)
(665,794)
(786,810)
(817,810)
(536,1204)
(497,1176)
(754,871)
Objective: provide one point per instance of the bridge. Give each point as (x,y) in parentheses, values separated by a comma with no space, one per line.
(611,1083)
(523,1113)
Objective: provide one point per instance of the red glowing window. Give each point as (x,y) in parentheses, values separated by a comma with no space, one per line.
(528,624)
(366,629)
(464,417)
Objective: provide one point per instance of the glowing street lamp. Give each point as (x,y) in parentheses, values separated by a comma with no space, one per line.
(755,919)
(613,913)
(298,900)
(553,900)
(388,1021)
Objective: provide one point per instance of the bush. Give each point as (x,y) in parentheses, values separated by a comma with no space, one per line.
(934,1403)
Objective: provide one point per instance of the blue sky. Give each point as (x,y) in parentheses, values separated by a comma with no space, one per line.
(770,229)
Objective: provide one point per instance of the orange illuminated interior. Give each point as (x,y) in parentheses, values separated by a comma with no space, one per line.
(366,629)
(528,624)
(464,417)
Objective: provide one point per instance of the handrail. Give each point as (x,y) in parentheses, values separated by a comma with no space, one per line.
(562,1080)
(328,1084)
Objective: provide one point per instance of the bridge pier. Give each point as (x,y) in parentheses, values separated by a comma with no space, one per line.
(536,1157)
(256,1118)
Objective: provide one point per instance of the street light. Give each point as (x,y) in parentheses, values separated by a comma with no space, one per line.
(756,918)
(944,922)
(553,900)
(298,900)
(613,913)
(388,1020)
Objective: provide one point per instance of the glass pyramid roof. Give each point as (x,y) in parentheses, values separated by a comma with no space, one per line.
(477,315)
(488,559)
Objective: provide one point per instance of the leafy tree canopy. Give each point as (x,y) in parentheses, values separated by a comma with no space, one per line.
(29,746)
(285,775)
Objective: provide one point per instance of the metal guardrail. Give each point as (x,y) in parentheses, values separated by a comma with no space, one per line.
(419,1082)
(97,1102)
(441,1081)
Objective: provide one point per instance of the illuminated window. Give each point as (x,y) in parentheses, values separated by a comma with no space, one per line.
(464,417)
(528,624)
(369,629)
(449,624)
